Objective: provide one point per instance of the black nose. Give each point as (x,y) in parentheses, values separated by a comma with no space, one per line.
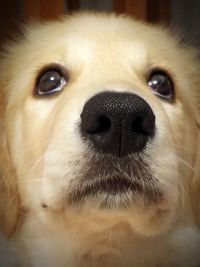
(117,123)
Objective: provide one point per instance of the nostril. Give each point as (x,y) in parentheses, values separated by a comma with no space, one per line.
(138,127)
(102,124)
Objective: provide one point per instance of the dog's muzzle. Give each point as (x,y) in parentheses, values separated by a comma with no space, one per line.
(117,123)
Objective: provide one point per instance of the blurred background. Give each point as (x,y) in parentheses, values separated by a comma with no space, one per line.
(184,15)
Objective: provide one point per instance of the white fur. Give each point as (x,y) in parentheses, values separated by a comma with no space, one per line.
(42,148)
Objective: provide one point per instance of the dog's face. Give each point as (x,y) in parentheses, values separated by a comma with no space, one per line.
(100,113)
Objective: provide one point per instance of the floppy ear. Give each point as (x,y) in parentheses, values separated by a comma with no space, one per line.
(9,198)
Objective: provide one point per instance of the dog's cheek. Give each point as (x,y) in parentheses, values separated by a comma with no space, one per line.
(62,162)
(185,139)
(44,143)
(163,158)
(195,185)
(10,210)
(195,182)
(28,133)
(186,134)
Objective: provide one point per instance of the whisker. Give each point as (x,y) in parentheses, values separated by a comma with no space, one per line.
(188,149)
(184,162)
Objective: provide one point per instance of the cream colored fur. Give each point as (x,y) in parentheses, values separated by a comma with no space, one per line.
(41,148)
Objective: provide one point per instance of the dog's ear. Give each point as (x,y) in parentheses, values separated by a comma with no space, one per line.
(9,197)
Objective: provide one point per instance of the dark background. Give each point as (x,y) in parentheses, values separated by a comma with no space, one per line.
(182,14)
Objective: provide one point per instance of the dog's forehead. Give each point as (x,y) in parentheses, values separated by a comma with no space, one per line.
(107,38)
(92,36)
(104,49)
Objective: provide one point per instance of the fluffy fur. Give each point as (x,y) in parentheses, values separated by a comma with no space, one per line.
(42,154)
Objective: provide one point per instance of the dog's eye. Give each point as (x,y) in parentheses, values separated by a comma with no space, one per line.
(50,81)
(161,84)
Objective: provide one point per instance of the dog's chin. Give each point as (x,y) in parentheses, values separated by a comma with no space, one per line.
(110,182)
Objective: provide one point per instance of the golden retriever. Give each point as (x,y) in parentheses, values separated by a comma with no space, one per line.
(99,145)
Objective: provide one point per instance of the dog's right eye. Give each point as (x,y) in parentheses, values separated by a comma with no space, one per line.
(50,81)
(161,84)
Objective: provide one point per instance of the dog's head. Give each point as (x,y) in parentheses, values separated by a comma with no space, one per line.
(100,113)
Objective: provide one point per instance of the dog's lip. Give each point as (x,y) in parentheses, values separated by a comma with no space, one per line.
(111,185)
(108,188)
(115,185)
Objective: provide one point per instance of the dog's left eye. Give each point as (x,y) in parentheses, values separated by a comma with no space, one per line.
(161,84)
(50,81)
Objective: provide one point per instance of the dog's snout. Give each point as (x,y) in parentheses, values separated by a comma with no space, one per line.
(117,123)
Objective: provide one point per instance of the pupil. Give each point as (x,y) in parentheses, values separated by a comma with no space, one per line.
(51,82)
(161,85)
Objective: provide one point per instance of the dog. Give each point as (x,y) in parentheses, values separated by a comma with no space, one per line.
(99,145)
